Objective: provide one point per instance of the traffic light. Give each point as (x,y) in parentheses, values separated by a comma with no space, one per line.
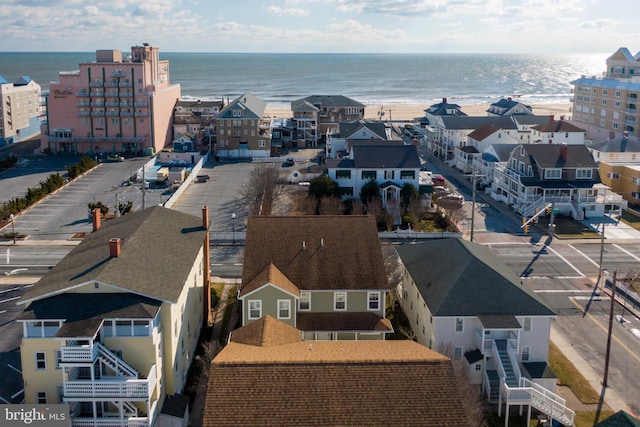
(547,209)
(526,229)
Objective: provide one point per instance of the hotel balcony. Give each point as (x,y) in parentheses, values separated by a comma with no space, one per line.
(112,84)
(126,114)
(83,113)
(96,84)
(113,113)
(83,92)
(83,104)
(141,104)
(94,139)
(632,98)
(97,113)
(125,84)
(126,94)
(142,113)
(111,104)
(126,104)
(115,387)
(112,93)
(97,93)
(97,104)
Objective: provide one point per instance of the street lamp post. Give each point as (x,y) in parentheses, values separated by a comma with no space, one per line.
(233,221)
(13,227)
(444,224)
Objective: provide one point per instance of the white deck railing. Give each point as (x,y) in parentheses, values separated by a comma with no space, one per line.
(121,388)
(111,422)
(78,353)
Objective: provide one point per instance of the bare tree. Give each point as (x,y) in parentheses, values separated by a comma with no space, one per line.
(471,395)
(263,188)
(392,266)
(308,205)
(415,211)
(357,207)
(331,206)
(374,207)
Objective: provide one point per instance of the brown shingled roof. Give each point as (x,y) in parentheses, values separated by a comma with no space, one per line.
(557,126)
(266,331)
(333,383)
(270,274)
(345,321)
(317,252)
(483,132)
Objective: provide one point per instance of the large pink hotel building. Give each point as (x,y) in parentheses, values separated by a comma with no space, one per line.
(112,105)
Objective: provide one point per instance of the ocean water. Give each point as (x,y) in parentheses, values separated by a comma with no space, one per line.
(373,79)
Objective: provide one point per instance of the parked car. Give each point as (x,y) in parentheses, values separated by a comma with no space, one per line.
(116,158)
(289,162)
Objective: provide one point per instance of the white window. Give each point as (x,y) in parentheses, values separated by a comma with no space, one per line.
(553,173)
(340,301)
(459,324)
(457,353)
(613,175)
(255,309)
(525,353)
(636,180)
(478,367)
(284,309)
(374,300)
(305,301)
(583,173)
(635,194)
(261,143)
(41,397)
(527,324)
(41,360)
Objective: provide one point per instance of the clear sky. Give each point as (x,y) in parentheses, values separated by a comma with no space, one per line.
(483,26)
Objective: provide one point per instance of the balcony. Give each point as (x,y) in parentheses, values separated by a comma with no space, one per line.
(142,113)
(96,84)
(126,94)
(83,114)
(113,387)
(113,113)
(126,104)
(112,84)
(112,93)
(82,92)
(126,114)
(82,104)
(111,422)
(97,104)
(97,113)
(125,84)
(78,353)
(141,104)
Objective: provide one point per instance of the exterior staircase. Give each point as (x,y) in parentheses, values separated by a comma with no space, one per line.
(511,379)
(114,362)
(518,390)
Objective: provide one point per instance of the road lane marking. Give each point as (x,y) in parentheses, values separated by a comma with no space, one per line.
(558,291)
(626,252)
(582,276)
(606,330)
(552,277)
(585,255)
(9,299)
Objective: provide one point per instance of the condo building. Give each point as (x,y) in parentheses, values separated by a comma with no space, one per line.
(607,106)
(19,110)
(114,104)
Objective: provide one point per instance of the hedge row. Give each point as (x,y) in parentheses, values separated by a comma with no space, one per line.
(35,194)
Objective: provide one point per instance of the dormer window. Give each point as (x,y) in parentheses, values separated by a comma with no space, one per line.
(554,173)
(583,173)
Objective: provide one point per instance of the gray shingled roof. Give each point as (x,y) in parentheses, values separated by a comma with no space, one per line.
(158,249)
(630,145)
(530,119)
(83,313)
(548,156)
(329,101)
(461,278)
(390,156)
(252,106)
(347,129)
(474,122)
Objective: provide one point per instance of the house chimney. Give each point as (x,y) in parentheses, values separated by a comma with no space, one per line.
(205,217)
(114,247)
(322,243)
(444,100)
(96,219)
(563,151)
(304,245)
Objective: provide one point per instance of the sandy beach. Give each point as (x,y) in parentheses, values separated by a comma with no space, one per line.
(408,112)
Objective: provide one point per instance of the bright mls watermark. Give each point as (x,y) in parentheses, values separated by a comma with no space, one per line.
(35,415)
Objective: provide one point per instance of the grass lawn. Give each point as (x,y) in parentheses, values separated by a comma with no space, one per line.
(631,219)
(588,419)
(568,375)
(567,228)
(216,292)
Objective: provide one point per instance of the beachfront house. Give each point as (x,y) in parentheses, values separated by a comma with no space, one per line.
(607,106)
(565,175)
(354,130)
(20,110)
(196,117)
(323,275)
(509,107)
(462,300)
(114,104)
(556,132)
(477,142)
(285,381)
(243,129)
(112,329)
(316,115)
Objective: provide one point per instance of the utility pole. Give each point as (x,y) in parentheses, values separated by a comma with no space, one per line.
(551,221)
(144,186)
(117,207)
(608,353)
(601,253)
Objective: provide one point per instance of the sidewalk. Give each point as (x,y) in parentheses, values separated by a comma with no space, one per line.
(611,398)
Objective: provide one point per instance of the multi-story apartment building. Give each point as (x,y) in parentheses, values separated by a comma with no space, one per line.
(112,105)
(243,129)
(20,110)
(111,330)
(607,106)
(197,118)
(316,115)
